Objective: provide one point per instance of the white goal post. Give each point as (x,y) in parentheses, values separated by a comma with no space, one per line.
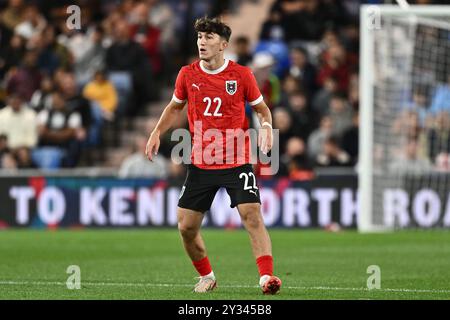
(404,62)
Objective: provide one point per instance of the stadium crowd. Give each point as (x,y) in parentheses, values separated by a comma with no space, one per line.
(60,88)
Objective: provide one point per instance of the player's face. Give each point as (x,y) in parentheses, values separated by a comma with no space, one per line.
(209,45)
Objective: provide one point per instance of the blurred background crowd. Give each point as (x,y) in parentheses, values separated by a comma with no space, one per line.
(89,97)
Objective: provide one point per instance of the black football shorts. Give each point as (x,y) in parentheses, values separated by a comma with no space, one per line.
(201,185)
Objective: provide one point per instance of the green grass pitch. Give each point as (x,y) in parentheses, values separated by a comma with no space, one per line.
(151,264)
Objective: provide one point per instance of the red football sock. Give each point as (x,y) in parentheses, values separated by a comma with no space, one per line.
(265,265)
(203,266)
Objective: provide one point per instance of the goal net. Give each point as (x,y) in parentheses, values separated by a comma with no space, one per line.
(404,167)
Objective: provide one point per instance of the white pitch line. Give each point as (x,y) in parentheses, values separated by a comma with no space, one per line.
(137,284)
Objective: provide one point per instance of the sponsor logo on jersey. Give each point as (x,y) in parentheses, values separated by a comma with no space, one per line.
(231,86)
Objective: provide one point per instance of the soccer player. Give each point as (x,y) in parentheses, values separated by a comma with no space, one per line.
(216,90)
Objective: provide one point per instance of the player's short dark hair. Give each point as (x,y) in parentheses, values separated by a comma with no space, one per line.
(213,25)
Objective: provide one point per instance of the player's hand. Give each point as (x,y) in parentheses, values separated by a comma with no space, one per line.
(265,138)
(152,146)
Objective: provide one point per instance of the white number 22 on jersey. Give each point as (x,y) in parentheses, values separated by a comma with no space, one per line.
(216,100)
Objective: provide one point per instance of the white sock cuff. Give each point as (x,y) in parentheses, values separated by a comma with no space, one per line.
(263,279)
(210,275)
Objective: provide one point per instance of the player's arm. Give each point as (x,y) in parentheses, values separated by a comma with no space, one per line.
(170,113)
(265,137)
(255,99)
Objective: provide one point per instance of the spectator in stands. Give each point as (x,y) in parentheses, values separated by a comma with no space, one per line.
(62,54)
(350,139)
(295,163)
(147,35)
(407,127)
(23,158)
(407,123)
(27,78)
(341,114)
(92,59)
(108,24)
(3,144)
(419,103)
(60,132)
(439,136)
(272,28)
(102,94)
(282,121)
(103,99)
(7,159)
(268,82)
(242,50)
(5,38)
(441,98)
(321,100)
(289,86)
(11,16)
(329,39)
(11,55)
(47,61)
(58,78)
(337,63)
(334,13)
(410,160)
(353,91)
(302,119)
(350,38)
(137,165)
(74,100)
(42,98)
(163,17)
(32,24)
(18,123)
(317,138)
(302,20)
(428,37)
(128,68)
(332,155)
(302,69)
(8,162)
(75,40)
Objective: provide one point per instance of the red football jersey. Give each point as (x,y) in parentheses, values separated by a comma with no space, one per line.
(216,107)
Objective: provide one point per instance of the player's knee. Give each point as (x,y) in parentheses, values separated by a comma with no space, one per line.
(187,232)
(254,221)
(252,217)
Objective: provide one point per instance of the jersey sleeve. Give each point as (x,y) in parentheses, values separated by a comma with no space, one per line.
(252,93)
(180,93)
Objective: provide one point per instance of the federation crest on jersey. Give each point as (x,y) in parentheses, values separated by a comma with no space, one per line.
(231,86)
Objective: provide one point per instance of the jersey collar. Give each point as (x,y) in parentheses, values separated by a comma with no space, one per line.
(216,71)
